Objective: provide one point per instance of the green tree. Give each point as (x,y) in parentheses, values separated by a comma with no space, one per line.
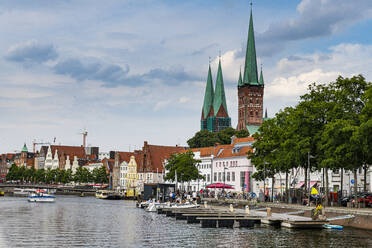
(40,176)
(242,133)
(13,173)
(203,139)
(224,136)
(100,175)
(185,166)
(83,175)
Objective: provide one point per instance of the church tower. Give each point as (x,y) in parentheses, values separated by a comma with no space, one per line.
(214,116)
(207,111)
(250,88)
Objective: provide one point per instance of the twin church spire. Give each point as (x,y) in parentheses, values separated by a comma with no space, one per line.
(214,114)
(250,94)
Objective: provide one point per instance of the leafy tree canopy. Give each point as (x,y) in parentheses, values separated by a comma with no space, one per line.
(184,165)
(205,138)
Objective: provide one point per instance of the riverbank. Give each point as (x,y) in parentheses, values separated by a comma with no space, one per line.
(362,216)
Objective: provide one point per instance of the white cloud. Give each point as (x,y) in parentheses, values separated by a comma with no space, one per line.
(184,99)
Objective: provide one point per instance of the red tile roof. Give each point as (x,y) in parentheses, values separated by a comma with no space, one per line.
(155,155)
(125,156)
(228,152)
(243,140)
(71,151)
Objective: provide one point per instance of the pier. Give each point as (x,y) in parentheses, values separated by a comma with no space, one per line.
(218,217)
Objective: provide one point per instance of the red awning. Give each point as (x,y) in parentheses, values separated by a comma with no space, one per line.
(312,183)
(300,184)
(219,186)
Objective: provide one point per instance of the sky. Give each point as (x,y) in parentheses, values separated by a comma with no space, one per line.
(130,71)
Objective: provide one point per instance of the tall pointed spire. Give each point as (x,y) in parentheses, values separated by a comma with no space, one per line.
(261,78)
(240,82)
(250,68)
(208,96)
(219,94)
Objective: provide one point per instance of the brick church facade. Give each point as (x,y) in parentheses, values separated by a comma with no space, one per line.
(250,88)
(214,117)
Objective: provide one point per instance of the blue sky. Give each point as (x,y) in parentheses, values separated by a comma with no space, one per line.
(130,71)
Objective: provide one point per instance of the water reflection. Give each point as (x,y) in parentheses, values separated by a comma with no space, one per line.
(89,222)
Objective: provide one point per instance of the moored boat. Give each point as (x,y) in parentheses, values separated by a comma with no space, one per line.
(21,192)
(41,196)
(331,226)
(109,195)
(102,194)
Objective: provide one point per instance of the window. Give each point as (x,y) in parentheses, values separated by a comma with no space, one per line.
(215,176)
(208,177)
(242,178)
(251,112)
(228,176)
(219,176)
(223,176)
(257,101)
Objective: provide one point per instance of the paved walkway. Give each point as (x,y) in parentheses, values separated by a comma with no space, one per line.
(263,213)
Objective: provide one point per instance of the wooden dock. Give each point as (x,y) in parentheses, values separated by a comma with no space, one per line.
(219,217)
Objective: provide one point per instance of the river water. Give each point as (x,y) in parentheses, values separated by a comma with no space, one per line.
(88,222)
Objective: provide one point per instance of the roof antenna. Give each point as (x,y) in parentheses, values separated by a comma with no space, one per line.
(251,3)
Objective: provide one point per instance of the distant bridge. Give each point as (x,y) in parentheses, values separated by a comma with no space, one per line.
(59,188)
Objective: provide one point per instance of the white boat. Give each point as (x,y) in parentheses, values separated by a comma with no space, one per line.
(186,205)
(41,196)
(153,206)
(330,226)
(21,192)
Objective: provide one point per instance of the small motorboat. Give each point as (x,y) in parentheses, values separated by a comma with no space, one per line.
(330,226)
(41,196)
(153,206)
(21,192)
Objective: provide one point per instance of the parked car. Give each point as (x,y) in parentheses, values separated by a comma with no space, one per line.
(365,197)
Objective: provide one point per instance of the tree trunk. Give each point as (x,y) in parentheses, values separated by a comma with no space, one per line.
(305,183)
(272,188)
(365,178)
(286,186)
(326,188)
(342,186)
(356,187)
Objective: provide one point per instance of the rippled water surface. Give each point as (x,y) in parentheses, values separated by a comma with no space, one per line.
(89,222)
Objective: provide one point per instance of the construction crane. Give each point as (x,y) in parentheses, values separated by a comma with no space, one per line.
(34,143)
(84,132)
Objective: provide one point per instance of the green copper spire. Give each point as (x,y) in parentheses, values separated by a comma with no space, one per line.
(219,95)
(208,96)
(261,78)
(240,82)
(250,68)
(24,149)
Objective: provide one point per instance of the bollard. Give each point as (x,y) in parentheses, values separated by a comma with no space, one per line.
(268,212)
(247,209)
(205,204)
(231,208)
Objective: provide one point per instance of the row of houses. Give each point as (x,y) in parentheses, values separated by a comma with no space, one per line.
(129,171)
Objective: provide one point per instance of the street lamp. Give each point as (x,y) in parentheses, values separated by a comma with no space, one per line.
(224,178)
(264,189)
(307,184)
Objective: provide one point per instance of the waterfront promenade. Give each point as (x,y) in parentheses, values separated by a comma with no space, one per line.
(362,219)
